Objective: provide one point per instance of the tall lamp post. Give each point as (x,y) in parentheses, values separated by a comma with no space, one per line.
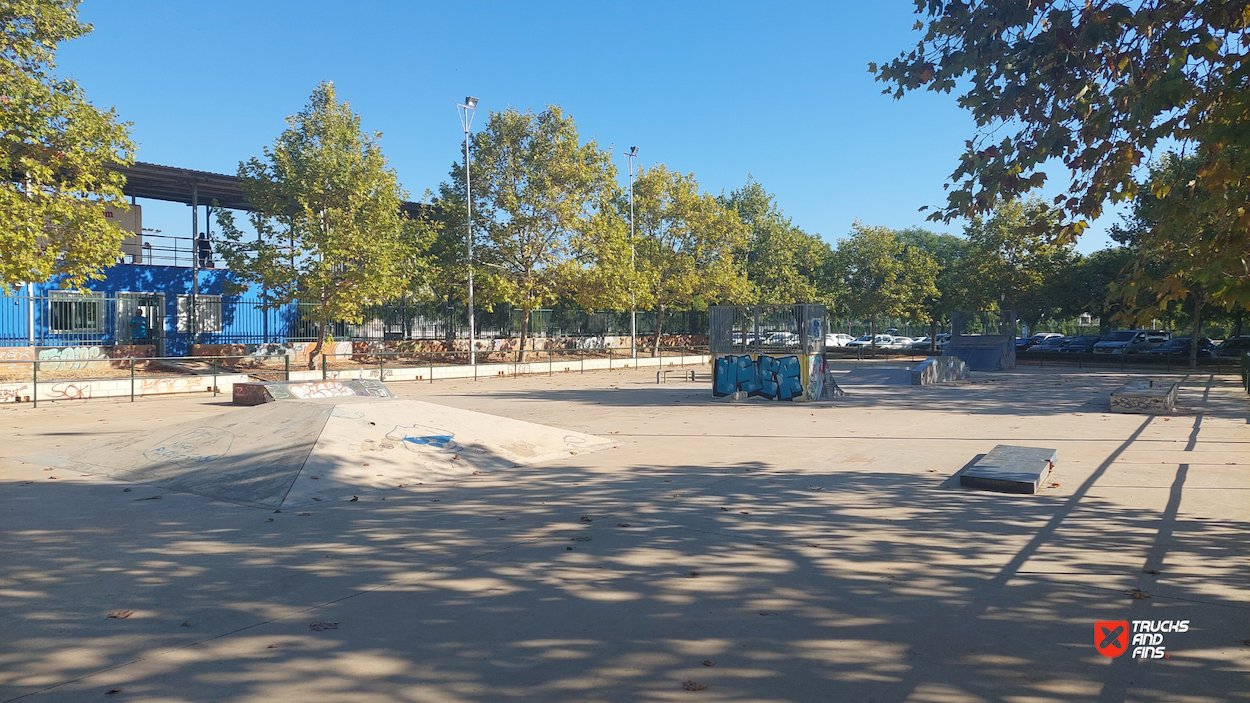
(632,155)
(466,111)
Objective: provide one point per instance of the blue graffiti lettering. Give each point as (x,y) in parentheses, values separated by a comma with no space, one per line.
(771,377)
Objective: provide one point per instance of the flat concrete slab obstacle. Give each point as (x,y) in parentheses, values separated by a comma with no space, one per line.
(875,376)
(1009,469)
(1145,396)
(270,391)
(277,454)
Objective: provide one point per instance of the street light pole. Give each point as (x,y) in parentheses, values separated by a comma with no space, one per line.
(466,111)
(632,154)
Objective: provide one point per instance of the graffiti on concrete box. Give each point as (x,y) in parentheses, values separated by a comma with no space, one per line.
(771,377)
(71,357)
(320,389)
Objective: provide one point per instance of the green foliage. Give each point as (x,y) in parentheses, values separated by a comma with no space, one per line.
(56,151)
(327,220)
(1094,86)
(949,253)
(536,187)
(881,276)
(783,263)
(1014,262)
(685,243)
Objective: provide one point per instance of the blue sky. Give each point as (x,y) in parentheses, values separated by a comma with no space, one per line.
(777,90)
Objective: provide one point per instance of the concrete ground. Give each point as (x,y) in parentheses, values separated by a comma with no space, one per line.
(767,551)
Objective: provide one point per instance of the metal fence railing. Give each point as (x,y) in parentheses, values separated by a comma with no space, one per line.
(72,377)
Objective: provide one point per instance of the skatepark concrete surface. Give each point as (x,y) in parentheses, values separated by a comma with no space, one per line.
(755,551)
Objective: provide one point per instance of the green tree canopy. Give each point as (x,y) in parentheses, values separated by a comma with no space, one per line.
(327,223)
(783,263)
(879,275)
(1183,250)
(56,151)
(1093,86)
(686,243)
(535,188)
(1014,260)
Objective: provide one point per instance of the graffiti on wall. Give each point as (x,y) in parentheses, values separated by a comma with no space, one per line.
(12,394)
(70,391)
(155,386)
(72,357)
(766,376)
(320,389)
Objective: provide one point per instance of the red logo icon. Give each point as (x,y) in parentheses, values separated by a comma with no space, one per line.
(1111,637)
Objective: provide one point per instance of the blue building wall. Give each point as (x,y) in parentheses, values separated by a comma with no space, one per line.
(235,318)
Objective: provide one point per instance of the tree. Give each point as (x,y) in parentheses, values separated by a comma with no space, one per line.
(535,188)
(1093,85)
(56,155)
(879,275)
(1183,250)
(783,263)
(1014,260)
(327,219)
(685,245)
(949,253)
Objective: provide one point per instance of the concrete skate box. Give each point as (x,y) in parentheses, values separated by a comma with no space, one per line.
(1010,469)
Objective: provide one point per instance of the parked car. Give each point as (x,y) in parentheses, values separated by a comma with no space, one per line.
(1081,345)
(900,342)
(838,340)
(1179,346)
(1233,346)
(1049,344)
(1130,341)
(881,341)
(781,339)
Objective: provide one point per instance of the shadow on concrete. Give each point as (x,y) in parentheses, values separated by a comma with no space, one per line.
(571,582)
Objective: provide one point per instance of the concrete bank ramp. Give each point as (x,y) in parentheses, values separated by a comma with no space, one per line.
(281,454)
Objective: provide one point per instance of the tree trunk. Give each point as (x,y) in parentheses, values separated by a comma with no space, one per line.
(659,326)
(933,336)
(1237,326)
(1197,334)
(525,332)
(872,332)
(321,340)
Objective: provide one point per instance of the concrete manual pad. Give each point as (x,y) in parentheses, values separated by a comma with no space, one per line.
(269,391)
(278,454)
(1009,469)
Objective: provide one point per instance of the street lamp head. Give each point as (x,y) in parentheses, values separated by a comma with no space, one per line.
(470,102)
(633,151)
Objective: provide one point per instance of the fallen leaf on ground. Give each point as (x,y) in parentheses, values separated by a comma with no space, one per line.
(149,498)
(112,691)
(125,490)
(316,499)
(1138,594)
(708,662)
(269,520)
(278,511)
(50,468)
(272,646)
(120,614)
(693,685)
(354,499)
(1150,571)
(622,524)
(745,512)
(581,539)
(315,478)
(304,514)
(436,500)
(725,509)
(186,624)
(1054,485)
(694,573)
(763,613)
(586,519)
(319,626)
(477,473)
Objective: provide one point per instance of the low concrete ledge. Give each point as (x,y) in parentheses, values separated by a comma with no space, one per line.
(939,369)
(1144,397)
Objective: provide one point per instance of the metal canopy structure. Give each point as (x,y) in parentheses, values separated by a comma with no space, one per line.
(144,180)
